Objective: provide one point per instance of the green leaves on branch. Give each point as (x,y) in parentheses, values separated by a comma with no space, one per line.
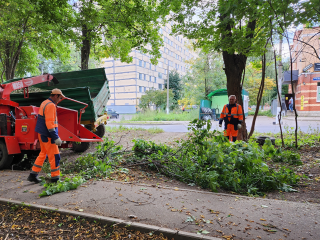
(96,165)
(210,160)
(62,186)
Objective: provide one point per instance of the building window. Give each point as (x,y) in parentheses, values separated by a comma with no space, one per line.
(150,79)
(165,39)
(145,89)
(150,66)
(160,75)
(145,76)
(141,76)
(165,71)
(160,86)
(140,89)
(160,30)
(165,61)
(140,63)
(318,92)
(155,79)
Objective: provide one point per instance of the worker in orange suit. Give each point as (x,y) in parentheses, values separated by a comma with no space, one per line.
(47,129)
(232,116)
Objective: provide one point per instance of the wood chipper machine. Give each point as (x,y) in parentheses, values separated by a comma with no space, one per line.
(17,123)
(88,86)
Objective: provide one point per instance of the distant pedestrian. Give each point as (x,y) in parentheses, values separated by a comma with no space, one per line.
(291,104)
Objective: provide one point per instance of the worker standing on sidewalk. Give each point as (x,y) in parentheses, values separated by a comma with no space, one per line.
(232,116)
(47,129)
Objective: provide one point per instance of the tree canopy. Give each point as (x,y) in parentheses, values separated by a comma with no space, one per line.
(237,29)
(158,98)
(26,29)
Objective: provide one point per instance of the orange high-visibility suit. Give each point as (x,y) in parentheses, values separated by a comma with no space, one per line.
(47,127)
(232,116)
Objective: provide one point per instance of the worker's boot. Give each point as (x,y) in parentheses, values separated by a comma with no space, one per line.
(54,180)
(33,178)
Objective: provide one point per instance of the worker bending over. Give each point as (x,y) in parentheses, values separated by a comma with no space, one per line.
(232,117)
(47,129)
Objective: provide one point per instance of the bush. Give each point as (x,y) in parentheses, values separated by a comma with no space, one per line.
(261,113)
(210,160)
(163,116)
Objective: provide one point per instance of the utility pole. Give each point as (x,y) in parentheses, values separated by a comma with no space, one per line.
(279,81)
(168,88)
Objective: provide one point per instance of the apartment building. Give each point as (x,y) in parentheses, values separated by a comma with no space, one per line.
(305,72)
(129,81)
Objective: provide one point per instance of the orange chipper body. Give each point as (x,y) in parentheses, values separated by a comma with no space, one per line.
(17,124)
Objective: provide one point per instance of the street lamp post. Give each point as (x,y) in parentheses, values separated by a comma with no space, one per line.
(168,88)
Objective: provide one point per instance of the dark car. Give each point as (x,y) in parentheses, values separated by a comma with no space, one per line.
(112,113)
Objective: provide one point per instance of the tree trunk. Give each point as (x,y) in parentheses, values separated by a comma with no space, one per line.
(234,67)
(85,48)
(12,55)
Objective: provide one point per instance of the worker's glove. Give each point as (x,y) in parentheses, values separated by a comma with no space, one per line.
(220,125)
(58,142)
(239,126)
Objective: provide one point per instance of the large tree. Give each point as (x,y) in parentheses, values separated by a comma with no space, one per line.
(236,28)
(204,76)
(174,84)
(112,28)
(28,27)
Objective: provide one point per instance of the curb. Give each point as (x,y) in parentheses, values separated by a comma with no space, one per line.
(303,119)
(176,234)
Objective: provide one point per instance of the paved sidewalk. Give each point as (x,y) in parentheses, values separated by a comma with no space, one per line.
(221,215)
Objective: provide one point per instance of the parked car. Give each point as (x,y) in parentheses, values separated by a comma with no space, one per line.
(112,113)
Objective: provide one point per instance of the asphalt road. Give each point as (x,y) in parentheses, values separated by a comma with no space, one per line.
(263,125)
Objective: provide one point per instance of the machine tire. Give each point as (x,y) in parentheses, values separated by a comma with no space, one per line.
(17,158)
(100,130)
(5,159)
(261,140)
(80,147)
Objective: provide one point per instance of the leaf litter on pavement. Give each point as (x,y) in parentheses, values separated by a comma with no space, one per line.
(22,222)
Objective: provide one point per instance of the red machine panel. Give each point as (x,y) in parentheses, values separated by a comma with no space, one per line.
(68,118)
(12,145)
(27,112)
(25,130)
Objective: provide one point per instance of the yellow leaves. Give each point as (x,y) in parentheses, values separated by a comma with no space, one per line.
(261,219)
(15,227)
